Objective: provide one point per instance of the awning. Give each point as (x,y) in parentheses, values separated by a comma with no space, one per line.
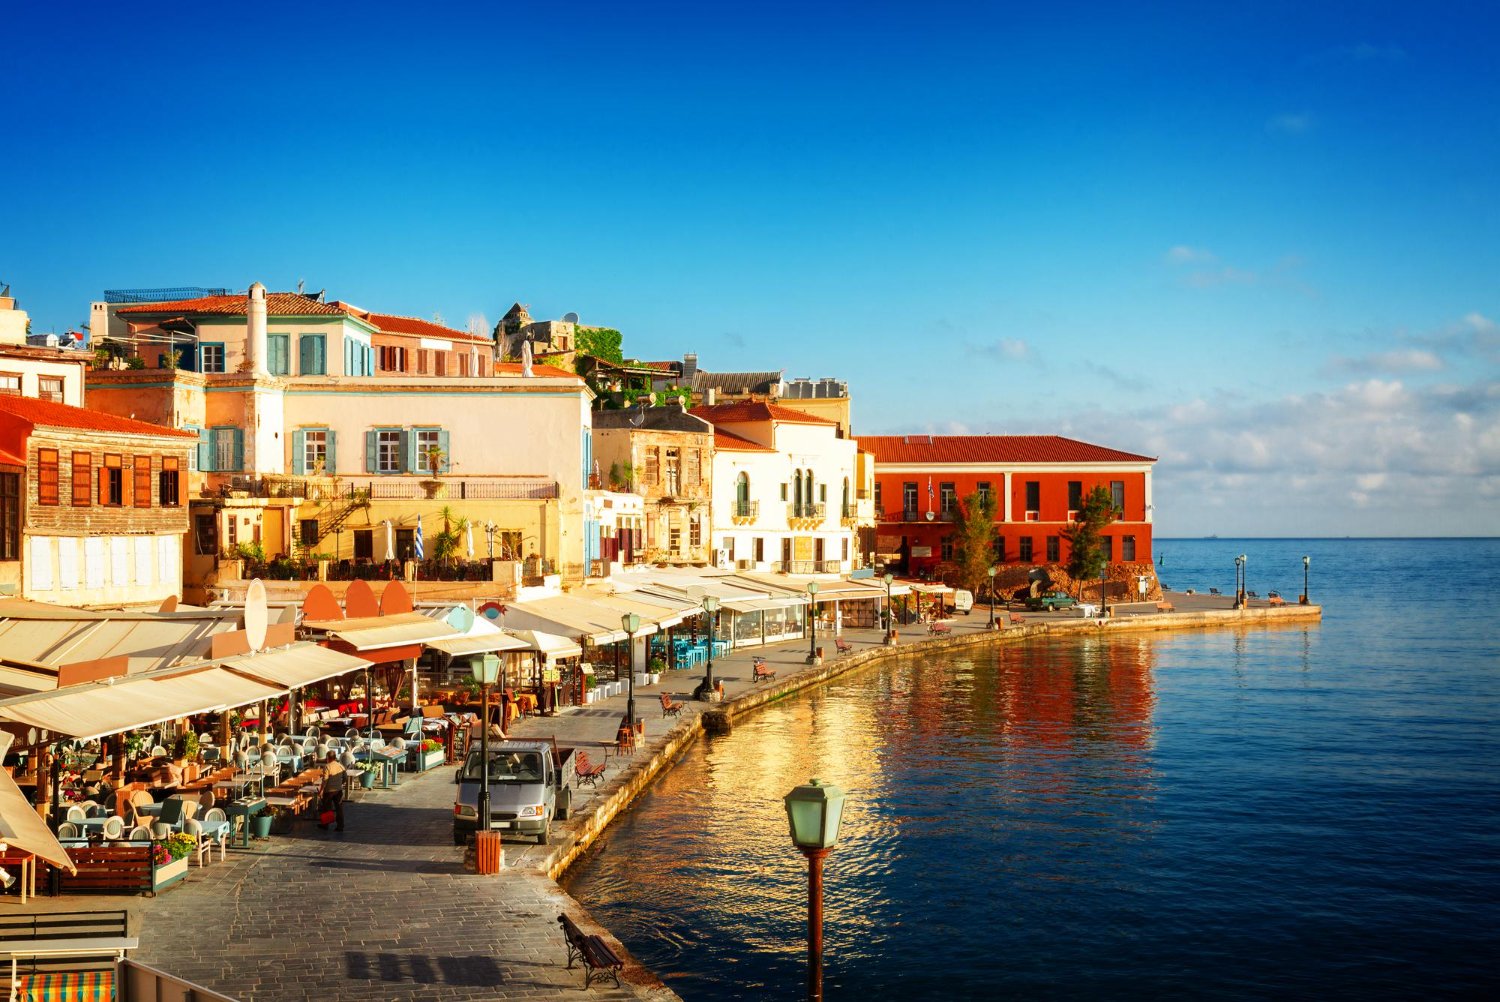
(375,632)
(743,605)
(297,666)
(95,709)
(664,612)
(482,643)
(932,589)
(570,616)
(22,828)
(549,645)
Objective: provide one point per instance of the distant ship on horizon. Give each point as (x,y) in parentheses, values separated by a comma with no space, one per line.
(1214,536)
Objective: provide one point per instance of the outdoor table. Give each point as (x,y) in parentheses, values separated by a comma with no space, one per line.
(152,809)
(93,824)
(385,758)
(246,808)
(527,701)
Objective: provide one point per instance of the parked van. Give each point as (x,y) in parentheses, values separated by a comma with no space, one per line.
(963,601)
(524,783)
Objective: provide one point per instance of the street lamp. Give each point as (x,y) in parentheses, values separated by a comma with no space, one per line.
(485,670)
(813,813)
(630,623)
(710,606)
(1306,562)
(1244,581)
(1237,582)
(991,572)
(890,610)
(812,621)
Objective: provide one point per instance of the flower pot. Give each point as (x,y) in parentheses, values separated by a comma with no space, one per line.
(260,825)
(167,874)
(433,759)
(367,779)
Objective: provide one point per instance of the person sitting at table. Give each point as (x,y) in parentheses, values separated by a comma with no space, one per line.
(335,778)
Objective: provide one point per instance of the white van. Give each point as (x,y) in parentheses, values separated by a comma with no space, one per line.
(963,601)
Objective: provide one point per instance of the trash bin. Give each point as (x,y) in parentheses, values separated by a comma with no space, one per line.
(489,855)
(564,803)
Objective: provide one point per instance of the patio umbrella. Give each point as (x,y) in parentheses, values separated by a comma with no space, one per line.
(469,538)
(390,542)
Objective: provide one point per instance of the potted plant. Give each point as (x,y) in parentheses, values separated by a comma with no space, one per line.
(169,859)
(260,824)
(432,754)
(433,456)
(186,748)
(658,665)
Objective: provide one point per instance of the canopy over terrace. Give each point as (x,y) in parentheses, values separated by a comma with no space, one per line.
(20,825)
(34,635)
(571,616)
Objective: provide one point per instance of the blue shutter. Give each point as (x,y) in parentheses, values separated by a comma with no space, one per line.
(320,349)
(299,453)
(443,444)
(205,451)
(331,465)
(371,445)
(239,448)
(408,453)
(305,355)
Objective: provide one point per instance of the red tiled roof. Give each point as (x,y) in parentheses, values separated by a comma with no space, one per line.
(514,369)
(46,414)
(278,304)
(991,449)
(743,411)
(728,442)
(660,366)
(10,458)
(416,327)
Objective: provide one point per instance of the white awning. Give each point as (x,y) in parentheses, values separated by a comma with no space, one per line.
(932,589)
(550,646)
(571,616)
(481,643)
(743,605)
(375,632)
(22,828)
(300,665)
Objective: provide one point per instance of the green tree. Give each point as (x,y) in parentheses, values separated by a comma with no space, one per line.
(974,539)
(1086,560)
(600,342)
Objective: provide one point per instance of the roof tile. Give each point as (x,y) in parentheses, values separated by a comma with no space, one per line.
(991,449)
(729,442)
(744,411)
(46,414)
(278,304)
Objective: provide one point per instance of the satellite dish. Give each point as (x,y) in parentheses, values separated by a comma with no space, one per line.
(255,615)
(570,318)
(461,618)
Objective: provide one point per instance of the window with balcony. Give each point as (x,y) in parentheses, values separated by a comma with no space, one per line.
(168,482)
(46,477)
(50,388)
(212,354)
(909,498)
(1025,548)
(83,478)
(141,489)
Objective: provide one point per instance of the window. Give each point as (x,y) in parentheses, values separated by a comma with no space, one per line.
(653,466)
(909,496)
(10,516)
(168,482)
(823,493)
(674,538)
(228,451)
(784,486)
(392,359)
(307,532)
(422,361)
(46,476)
(759,548)
(406,544)
(430,442)
(50,388)
(388,451)
(786,551)
(140,490)
(690,468)
(695,532)
(1025,545)
(112,482)
(673,472)
(1127,547)
(83,478)
(1054,547)
(312,355)
(279,354)
(983,490)
(364,544)
(999,548)
(463,364)
(1108,542)
(212,353)
(440,363)
(948,497)
(1117,496)
(314,451)
(879,508)
(945,548)
(1033,495)
(1075,495)
(10,384)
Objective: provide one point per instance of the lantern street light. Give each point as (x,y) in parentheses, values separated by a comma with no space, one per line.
(631,624)
(814,812)
(710,606)
(890,610)
(812,621)
(1244,581)
(1306,562)
(1237,592)
(992,572)
(485,670)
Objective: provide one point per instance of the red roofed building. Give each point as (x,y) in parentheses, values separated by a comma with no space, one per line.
(92,506)
(1040,482)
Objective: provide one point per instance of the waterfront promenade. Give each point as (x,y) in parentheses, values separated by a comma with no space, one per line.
(386,910)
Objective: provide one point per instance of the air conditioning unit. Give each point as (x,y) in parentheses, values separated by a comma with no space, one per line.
(721,559)
(744,565)
(1033,516)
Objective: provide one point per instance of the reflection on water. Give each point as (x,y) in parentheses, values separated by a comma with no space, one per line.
(986,791)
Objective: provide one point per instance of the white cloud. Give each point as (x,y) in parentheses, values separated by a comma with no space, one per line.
(1221,276)
(1183,254)
(1291,123)
(1396,362)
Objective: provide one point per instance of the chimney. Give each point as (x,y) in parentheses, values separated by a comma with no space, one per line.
(689,367)
(255,330)
(710,396)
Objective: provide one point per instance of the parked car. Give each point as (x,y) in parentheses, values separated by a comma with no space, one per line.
(1051,600)
(525,781)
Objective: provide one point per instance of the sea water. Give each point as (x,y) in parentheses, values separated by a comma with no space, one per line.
(1311,810)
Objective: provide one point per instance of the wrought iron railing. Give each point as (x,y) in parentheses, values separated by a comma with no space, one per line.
(804,509)
(745,509)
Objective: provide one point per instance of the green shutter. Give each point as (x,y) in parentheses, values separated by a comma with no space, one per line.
(371,445)
(205,450)
(239,448)
(443,444)
(331,466)
(299,453)
(408,452)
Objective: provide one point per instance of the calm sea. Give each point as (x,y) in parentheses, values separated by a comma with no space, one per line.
(1308,811)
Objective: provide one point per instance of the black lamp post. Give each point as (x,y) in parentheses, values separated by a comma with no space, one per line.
(991,572)
(710,606)
(812,621)
(814,812)
(1306,562)
(1244,581)
(1236,582)
(630,623)
(486,670)
(890,610)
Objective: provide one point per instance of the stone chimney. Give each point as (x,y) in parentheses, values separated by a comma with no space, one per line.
(689,367)
(255,330)
(710,396)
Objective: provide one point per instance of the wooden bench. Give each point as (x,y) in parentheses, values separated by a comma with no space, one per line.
(669,706)
(937,627)
(64,955)
(1165,606)
(587,771)
(599,960)
(844,647)
(760,671)
(1214,591)
(1276,600)
(122,866)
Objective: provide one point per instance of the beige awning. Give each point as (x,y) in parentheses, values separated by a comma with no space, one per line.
(95,709)
(482,643)
(743,605)
(295,667)
(22,828)
(549,645)
(375,632)
(572,616)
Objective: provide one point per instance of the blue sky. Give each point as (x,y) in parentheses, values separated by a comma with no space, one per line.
(1258,241)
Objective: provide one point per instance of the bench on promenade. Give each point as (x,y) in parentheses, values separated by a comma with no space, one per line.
(844,647)
(599,961)
(761,672)
(939,628)
(1165,606)
(587,771)
(669,706)
(64,955)
(1214,591)
(1276,599)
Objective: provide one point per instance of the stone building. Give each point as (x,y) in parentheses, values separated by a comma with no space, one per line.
(666,456)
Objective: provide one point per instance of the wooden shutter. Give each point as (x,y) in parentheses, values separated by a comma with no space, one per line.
(239,448)
(443,444)
(330,464)
(372,448)
(206,451)
(141,495)
(299,452)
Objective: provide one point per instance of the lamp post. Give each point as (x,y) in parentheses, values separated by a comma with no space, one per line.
(812,621)
(814,812)
(1306,562)
(710,606)
(630,623)
(1244,581)
(485,670)
(890,610)
(1236,582)
(991,572)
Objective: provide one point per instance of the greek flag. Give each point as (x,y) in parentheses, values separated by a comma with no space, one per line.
(416,546)
(929,488)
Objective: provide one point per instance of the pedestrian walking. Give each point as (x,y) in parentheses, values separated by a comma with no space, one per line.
(335,780)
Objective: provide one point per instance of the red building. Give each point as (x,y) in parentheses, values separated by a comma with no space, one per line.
(1040,482)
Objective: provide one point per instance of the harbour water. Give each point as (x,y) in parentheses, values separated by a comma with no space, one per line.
(1308,811)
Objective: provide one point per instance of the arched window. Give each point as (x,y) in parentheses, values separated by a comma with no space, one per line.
(845,509)
(808,494)
(797,488)
(742,494)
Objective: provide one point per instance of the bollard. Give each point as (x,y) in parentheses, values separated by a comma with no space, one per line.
(489,853)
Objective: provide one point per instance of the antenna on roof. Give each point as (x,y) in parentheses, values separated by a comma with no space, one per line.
(300,283)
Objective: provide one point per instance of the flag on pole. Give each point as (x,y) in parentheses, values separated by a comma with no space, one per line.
(416,546)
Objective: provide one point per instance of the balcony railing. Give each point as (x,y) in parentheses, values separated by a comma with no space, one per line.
(806,510)
(744,511)
(811,566)
(851,510)
(394,489)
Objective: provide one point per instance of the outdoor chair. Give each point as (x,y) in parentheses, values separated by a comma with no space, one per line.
(157,751)
(140,834)
(114,828)
(67,830)
(203,846)
(77,813)
(312,732)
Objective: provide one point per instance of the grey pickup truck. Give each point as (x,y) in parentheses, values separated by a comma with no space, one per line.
(527,781)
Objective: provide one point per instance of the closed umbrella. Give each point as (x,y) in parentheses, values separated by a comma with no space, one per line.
(469,538)
(390,542)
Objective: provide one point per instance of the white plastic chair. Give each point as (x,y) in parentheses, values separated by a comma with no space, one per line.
(67,830)
(77,813)
(203,846)
(157,751)
(114,827)
(140,834)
